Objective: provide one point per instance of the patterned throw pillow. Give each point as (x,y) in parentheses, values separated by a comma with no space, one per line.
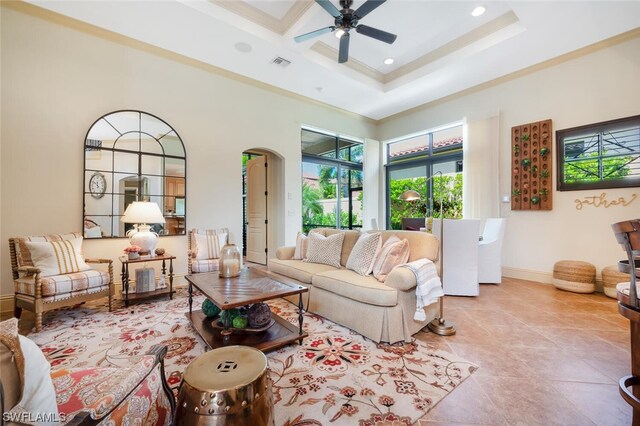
(394,252)
(324,250)
(208,245)
(364,253)
(57,257)
(302,243)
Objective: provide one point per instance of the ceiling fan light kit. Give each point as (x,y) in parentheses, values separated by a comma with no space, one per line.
(348,19)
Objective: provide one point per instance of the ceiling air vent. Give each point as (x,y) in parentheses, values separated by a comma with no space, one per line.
(281,62)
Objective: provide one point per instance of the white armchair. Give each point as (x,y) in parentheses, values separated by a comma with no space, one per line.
(490,251)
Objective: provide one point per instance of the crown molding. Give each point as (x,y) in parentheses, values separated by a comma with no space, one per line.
(65,21)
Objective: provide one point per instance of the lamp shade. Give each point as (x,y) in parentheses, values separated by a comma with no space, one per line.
(410,195)
(143,212)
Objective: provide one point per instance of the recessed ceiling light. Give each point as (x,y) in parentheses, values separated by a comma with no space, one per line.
(340,33)
(478,11)
(243,47)
(388,61)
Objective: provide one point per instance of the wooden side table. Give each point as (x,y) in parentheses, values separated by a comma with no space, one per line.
(147,294)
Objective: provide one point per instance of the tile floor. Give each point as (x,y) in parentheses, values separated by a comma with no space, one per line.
(546,357)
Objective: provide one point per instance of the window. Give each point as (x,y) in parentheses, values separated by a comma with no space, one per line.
(331,181)
(601,155)
(411,161)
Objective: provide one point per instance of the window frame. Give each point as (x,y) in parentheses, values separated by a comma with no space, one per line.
(595,128)
(427,159)
(340,165)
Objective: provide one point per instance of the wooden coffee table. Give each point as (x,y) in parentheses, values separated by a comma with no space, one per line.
(252,286)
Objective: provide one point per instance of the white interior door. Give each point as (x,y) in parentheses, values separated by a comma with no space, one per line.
(257,210)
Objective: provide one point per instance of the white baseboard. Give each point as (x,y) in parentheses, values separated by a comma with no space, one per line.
(542,277)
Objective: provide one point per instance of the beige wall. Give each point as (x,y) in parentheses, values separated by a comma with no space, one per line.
(598,86)
(58,77)
(56,80)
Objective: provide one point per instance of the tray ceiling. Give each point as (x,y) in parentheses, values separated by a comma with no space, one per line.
(440,50)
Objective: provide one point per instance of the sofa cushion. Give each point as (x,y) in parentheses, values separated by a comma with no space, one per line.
(63,284)
(325,250)
(297,269)
(365,289)
(364,253)
(205,265)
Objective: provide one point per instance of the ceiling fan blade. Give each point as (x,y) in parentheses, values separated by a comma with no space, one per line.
(343,54)
(329,7)
(312,34)
(367,8)
(376,33)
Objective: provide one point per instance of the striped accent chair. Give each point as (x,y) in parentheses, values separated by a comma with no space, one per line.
(206,257)
(40,294)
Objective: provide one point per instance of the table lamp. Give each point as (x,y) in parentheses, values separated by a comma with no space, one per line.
(142,213)
(439,325)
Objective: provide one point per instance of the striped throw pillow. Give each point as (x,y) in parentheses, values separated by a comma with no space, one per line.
(208,246)
(57,257)
(302,242)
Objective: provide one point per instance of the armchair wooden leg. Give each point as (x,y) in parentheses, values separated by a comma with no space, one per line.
(38,321)
(111,286)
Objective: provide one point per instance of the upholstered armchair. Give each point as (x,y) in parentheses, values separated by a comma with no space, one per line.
(41,291)
(138,394)
(204,249)
(490,251)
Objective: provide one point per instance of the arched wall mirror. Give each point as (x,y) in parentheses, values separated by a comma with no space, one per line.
(132,156)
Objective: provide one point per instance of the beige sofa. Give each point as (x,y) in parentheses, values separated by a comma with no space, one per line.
(382,312)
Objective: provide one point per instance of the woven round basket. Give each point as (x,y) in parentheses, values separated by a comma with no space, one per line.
(610,278)
(575,276)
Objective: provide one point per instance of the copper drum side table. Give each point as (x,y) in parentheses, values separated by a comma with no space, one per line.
(226,386)
(628,235)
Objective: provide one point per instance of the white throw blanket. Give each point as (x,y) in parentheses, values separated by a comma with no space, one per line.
(428,287)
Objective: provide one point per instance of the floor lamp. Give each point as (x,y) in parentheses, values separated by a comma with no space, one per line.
(438,325)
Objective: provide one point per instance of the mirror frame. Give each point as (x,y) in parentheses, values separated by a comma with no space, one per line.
(140,196)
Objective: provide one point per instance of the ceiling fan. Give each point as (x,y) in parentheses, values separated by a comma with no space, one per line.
(347,19)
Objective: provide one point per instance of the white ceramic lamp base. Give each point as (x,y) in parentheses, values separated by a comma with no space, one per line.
(144,238)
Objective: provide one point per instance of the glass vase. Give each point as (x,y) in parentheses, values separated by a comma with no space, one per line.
(229,263)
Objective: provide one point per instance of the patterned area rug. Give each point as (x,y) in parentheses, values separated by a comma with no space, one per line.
(335,377)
